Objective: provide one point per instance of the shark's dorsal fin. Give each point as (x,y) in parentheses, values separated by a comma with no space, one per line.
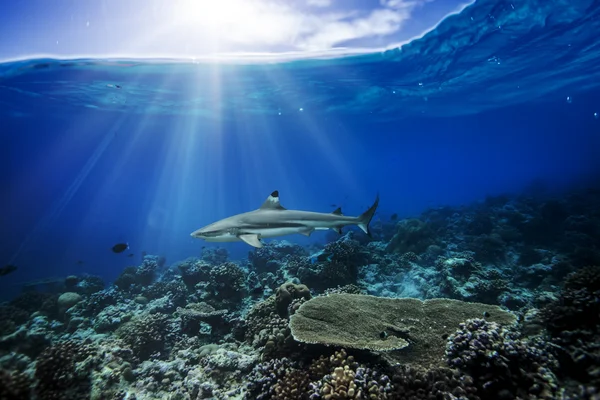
(338,211)
(272,202)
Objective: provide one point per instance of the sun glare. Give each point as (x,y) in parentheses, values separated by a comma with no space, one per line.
(234,21)
(216,15)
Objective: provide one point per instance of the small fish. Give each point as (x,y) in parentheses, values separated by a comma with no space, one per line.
(394,217)
(80,262)
(120,247)
(130,255)
(7,269)
(333,205)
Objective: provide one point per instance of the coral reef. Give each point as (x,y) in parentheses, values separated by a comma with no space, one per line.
(417,311)
(384,324)
(573,323)
(145,335)
(287,293)
(501,363)
(62,371)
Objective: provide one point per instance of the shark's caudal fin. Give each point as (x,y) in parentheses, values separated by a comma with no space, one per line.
(365,219)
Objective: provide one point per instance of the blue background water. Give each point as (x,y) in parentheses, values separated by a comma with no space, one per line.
(96,152)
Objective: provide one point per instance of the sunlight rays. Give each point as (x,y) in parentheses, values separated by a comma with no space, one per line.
(324,148)
(191,179)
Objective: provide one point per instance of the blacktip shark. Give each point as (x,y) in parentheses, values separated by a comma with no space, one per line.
(272,220)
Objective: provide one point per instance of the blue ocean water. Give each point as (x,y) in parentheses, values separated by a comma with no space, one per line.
(480,139)
(96,152)
(145,151)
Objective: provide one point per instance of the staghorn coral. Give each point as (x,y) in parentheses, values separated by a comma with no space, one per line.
(501,363)
(383,324)
(63,371)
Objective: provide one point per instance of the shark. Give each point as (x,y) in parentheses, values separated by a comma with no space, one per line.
(273,220)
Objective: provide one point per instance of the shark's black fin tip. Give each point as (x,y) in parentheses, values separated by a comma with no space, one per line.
(275,193)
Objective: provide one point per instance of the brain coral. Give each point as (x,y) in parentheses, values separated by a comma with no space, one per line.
(419,328)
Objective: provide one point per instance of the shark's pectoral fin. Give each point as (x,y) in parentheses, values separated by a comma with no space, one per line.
(252,239)
(338,229)
(307,231)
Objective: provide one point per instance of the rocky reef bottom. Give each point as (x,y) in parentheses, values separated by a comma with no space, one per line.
(498,300)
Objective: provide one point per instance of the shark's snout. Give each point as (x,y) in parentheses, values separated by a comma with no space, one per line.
(196,234)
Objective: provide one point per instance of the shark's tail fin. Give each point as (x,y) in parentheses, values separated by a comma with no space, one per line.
(365,219)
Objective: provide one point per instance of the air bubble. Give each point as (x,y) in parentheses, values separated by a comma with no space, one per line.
(596,115)
(301,109)
(569,99)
